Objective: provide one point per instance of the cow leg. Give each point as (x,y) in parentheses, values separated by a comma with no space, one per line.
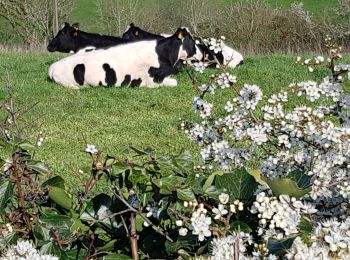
(169,82)
(158,74)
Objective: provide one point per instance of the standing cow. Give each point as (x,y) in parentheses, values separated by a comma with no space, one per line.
(142,63)
(71,39)
(227,55)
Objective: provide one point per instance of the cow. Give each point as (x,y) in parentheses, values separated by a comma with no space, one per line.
(227,55)
(141,63)
(71,40)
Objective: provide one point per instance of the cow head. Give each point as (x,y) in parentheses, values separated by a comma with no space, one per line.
(132,33)
(188,46)
(64,40)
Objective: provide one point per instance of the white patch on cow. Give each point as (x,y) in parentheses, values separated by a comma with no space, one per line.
(132,59)
(86,49)
(231,57)
(169,82)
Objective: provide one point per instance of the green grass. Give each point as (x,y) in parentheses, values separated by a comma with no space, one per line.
(115,118)
(316,7)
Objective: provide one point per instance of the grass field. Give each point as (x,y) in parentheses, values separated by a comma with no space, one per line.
(115,118)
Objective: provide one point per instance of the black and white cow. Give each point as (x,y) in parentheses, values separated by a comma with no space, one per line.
(141,63)
(227,56)
(135,33)
(71,39)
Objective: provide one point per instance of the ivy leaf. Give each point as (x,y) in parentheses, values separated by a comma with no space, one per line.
(38,166)
(53,219)
(305,229)
(50,249)
(113,256)
(210,179)
(25,145)
(286,186)
(186,194)
(169,183)
(6,191)
(56,181)
(257,176)
(238,184)
(279,247)
(213,192)
(241,226)
(61,197)
(302,180)
(76,254)
(41,233)
(108,246)
(99,210)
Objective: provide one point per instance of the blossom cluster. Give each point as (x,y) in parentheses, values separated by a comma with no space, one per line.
(24,250)
(311,140)
(202,220)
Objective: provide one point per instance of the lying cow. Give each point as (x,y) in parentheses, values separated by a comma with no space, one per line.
(71,39)
(142,63)
(227,55)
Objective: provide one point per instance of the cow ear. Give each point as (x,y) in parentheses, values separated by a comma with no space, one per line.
(136,33)
(179,34)
(65,25)
(76,26)
(132,25)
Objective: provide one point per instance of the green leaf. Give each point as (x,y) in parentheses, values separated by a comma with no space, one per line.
(213,192)
(241,226)
(61,197)
(50,249)
(26,146)
(169,183)
(108,246)
(76,254)
(210,179)
(286,186)
(55,220)
(280,246)
(41,233)
(139,223)
(38,166)
(186,194)
(238,184)
(257,176)
(302,180)
(10,239)
(56,181)
(113,256)
(305,229)
(99,211)
(6,192)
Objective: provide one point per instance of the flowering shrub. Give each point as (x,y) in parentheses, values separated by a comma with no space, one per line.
(301,153)
(273,182)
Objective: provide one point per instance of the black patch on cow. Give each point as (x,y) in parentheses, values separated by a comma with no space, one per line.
(79,73)
(167,51)
(70,39)
(111,77)
(126,81)
(135,33)
(135,83)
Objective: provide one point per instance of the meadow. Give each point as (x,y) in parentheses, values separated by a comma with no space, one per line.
(115,118)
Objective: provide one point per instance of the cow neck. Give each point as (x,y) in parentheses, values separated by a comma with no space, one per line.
(168,49)
(85,39)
